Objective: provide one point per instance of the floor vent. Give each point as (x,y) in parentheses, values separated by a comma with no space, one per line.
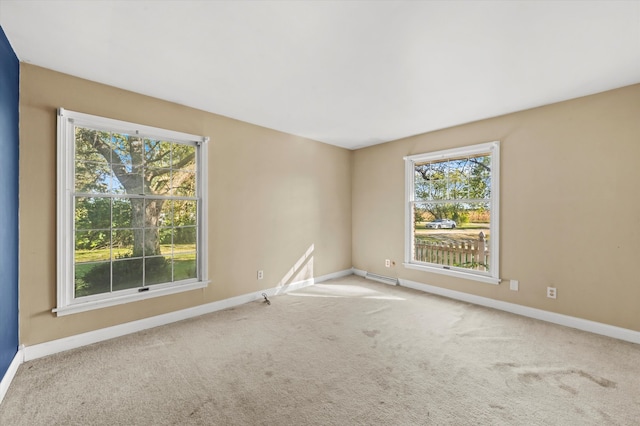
(381,278)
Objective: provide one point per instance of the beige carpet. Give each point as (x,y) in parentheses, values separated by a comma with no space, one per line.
(346,352)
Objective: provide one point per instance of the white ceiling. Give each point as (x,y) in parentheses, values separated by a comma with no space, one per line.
(348,73)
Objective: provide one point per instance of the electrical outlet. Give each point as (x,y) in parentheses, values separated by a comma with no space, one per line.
(552,293)
(260,274)
(513,285)
(387,263)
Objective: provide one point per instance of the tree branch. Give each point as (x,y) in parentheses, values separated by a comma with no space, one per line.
(186,160)
(128,180)
(474,161)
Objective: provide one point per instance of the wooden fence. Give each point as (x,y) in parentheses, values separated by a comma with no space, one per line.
(468,254)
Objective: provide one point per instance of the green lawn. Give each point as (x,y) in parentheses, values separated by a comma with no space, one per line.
(184,267)
(127,273)
(474,226)
(104,255)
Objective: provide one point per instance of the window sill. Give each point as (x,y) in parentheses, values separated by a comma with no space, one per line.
(131,297)
(454,273)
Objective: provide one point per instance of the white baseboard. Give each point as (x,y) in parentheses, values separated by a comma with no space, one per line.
(305,283)
(49,348)
(359,272)
(334,275)
(11,373)
(560,319)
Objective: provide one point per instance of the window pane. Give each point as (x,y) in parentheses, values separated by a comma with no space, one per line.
(121,213)
(127,152)
(457,182)
(453,234)
(184,183)
(183,157)
(430,181)
(480,177)
(184,267)
(184,239)
(157,154)
(92,145)
(158,211)
(92,177)
(453,179)
(157,270)
(127,274)
(92,213)
(92,278)
(92,246)
(185,213)
(166,241)
(137,212)
(122,243)
(151,242)
(121,145)
(130,183)
(116,185)
(159,182)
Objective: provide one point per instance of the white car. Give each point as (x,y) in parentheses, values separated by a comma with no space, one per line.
(442,223)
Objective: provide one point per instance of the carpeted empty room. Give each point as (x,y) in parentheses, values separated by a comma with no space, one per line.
(371,212)
(347,351)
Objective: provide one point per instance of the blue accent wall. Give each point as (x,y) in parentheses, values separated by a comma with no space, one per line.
(9,143)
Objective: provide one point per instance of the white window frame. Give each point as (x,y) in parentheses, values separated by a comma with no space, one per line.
(67,303)
(489,148)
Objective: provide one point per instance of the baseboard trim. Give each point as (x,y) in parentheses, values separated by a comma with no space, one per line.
(560,319)
(10,373)
(49,348)
(359,272)
(334,275)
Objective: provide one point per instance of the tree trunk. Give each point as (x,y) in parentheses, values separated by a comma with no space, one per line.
(146,235)
(144,218)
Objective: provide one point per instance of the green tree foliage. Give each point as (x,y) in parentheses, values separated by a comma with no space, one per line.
(451,188)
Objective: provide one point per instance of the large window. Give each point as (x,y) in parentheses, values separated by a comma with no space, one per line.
(452,201)
(131,212)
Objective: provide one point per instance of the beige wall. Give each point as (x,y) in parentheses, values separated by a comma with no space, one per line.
(273,198)
(569,207)
(570,212)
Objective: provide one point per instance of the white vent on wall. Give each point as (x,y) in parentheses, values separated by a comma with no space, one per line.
(381,278)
